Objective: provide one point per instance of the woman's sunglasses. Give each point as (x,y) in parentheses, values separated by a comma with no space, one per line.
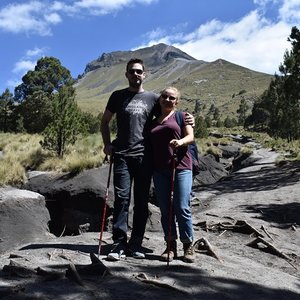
(170,97)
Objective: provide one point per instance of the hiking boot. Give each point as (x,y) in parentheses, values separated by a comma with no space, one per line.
(118,251)
(189,255)
(172,249)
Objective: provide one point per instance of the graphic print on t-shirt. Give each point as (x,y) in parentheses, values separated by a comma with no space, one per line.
(136,107)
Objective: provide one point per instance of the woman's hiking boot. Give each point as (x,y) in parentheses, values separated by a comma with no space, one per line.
(189,255)
(172,250)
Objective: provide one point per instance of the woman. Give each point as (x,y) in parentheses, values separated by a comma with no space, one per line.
(170,153)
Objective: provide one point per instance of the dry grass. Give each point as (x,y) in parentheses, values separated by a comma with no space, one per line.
(22,152)
(86,153)
(19,153)
(288,151)
(11,173)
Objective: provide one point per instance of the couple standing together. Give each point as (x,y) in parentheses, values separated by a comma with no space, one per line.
(148,136)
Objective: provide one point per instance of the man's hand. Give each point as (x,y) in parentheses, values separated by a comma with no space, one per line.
(189,119)
(108,149)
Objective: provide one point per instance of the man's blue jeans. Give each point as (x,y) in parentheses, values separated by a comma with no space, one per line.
(130,171)
(181,209)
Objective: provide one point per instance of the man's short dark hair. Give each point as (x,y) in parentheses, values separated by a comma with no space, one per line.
(135,61)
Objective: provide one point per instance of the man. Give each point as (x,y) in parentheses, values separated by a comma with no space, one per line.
(134,109)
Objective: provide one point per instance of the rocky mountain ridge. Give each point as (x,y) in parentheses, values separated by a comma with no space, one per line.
(154,57)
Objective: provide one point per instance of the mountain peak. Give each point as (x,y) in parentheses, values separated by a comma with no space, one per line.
(152,56)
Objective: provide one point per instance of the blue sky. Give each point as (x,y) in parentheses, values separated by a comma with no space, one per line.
(251,33)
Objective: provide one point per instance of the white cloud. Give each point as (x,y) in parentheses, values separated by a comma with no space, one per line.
(105,4)
(102,7)
(254,41)
(12,83)
(206,29)
(28,62)
(290,11)
(159,35)
(53,18)
(109,4)
(23,66)
(26,17)
(156,33)
(35,52)
(263,3)
(37,17)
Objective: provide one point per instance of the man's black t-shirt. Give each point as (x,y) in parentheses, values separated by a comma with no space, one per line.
(134,113)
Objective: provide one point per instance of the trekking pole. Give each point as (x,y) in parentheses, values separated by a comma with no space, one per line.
(105,201)
(171,204)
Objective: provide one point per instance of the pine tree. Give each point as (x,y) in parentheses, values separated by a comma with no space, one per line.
(36,111)
(200,130)
(6,110)
(242,111)
(216,115)
(197,106)
(35,92)
(230,122)
(280,104)
(66,122)
(289,98)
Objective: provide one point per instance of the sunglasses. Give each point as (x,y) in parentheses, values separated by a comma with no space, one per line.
(170,97)
(137,71)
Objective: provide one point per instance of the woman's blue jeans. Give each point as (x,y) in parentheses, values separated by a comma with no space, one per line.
(181,209)
(128,171)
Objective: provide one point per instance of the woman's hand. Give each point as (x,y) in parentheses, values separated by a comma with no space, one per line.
(176,143)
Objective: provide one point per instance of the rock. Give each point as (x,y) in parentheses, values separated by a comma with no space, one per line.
(211,171)
(259,157)
(242,160)
(74,201)
(23,218)
(229,151)
(153,224)
(240,138)
(216,135)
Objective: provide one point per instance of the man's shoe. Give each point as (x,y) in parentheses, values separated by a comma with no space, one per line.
(135,253)
(189,255)
(135,250)
(118,251)
(170,252)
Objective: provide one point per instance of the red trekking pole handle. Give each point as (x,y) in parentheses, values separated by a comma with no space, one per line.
(105,201)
